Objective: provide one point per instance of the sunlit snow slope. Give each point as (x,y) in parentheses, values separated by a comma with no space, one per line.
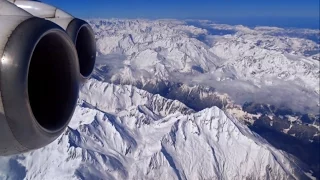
(121,132)
(169,100)
(240,61)
(267,77)
(204,64)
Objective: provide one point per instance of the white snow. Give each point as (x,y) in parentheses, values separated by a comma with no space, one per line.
(121,132)
(267,61)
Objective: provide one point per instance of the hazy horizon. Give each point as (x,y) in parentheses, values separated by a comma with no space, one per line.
(285,13)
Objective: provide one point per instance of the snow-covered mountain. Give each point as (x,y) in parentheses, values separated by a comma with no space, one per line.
(121,132)
(237,60)
(265,76)
(264,65)
(172,99)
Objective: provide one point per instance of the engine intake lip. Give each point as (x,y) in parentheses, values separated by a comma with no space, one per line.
(83,37)
(39,54)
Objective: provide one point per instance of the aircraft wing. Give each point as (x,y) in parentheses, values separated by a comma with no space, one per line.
(46,54)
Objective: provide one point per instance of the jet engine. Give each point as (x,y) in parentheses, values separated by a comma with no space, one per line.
(42,65)
(79,31)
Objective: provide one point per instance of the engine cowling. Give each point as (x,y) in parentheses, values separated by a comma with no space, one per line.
(39,81)
(79,31)
(83,37)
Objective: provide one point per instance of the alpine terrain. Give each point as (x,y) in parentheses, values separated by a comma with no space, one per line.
(121,132)
(192,99)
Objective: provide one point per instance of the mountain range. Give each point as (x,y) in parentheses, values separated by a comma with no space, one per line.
(193,99)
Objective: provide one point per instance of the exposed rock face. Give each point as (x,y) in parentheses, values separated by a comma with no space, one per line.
(121,132)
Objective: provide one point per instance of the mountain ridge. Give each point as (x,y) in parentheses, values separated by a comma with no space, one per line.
(125,141)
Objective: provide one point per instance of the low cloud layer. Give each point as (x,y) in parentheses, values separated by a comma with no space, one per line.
(294,93)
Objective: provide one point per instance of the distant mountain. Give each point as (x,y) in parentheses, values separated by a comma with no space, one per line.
(121,132)
(264,61)
(190,99)
(265,76)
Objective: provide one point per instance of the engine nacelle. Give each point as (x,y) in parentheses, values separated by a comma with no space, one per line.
(39,80)
(83,37)
(79,31)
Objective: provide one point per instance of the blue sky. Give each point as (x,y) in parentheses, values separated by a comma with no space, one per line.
(203,9)
(189,8)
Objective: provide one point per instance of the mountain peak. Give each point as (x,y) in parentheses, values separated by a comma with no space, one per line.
(140,135)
